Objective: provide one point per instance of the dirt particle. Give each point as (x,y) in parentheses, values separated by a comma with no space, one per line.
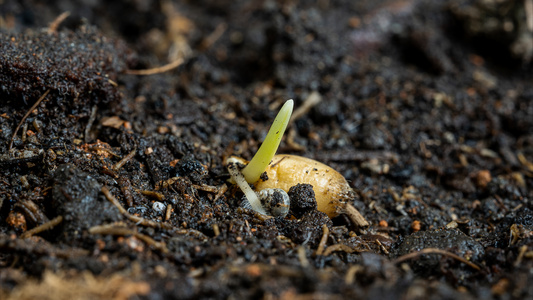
(482,178)
(309,228)
(416,226)
(190,167)
(302,199)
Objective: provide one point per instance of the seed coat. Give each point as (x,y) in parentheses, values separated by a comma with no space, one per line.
(331,189)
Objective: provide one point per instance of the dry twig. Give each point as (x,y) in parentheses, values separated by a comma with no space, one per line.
(521,253)
(125,188)
(313,99)
(121,231)
(355,216)
(123,161)
(350,274)
(46,226)
(435,251)
(157,70)
(302,257)
(26,116)
(213,37)
(323,240)
(137,220)
(222,190)
(338,247)
(52,28)
(153,194)
(168,212)
(92,118)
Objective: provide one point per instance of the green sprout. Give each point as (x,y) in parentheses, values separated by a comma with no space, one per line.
(262,202)
(270,145)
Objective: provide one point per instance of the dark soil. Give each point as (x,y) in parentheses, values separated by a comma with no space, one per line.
(113,186)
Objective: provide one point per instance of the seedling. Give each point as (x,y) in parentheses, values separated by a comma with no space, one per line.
(332,191)
(258,164)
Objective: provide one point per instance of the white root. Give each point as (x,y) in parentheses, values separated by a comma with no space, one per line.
(237,176)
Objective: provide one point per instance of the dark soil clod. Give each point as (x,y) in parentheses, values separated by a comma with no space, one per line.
(76,196)
(302,200)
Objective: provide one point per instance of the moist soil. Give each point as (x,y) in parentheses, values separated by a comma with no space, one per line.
(113,184)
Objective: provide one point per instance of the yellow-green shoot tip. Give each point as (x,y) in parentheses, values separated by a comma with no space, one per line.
(270,145)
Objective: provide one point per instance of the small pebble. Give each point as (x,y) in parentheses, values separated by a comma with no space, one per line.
(159,207)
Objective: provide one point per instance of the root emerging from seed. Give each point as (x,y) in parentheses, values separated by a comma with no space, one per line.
(250,195)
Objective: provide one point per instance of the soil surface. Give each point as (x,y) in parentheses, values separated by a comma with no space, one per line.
(113,184)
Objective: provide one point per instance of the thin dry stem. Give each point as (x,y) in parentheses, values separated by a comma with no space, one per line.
(355,216)
(52,28)
(323,240)
(46,226)
(157,70)
(213,37)
(312,100)
(435,251)
(92,118)
(123,161)
(338,247)
(121,231)
(137,220)
(26,116)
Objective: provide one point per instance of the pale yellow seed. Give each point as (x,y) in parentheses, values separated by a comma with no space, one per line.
(330,187)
